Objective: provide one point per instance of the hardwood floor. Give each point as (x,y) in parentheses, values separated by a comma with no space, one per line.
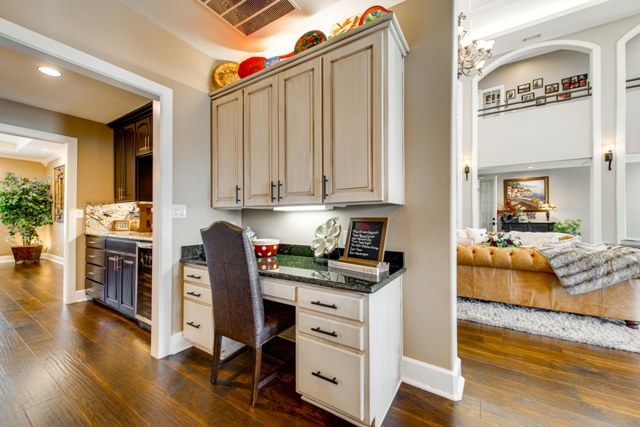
(84,365)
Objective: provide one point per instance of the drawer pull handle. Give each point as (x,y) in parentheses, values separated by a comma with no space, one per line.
(193,276)
(91,273)
(322,377)
(333,306)
(332,334)
(193,325)
(194,294)
(93,256)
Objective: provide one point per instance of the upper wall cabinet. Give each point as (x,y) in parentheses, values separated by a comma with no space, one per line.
(325,126)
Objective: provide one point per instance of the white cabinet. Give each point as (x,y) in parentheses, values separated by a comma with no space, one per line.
(197,323)
(325,126)
(226,151)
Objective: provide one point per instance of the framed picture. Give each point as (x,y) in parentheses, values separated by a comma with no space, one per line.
(552,88)
(528,193)
(58,194)
(566,80)
(537,84)
(528,97)
(511,94)
(365,241)
(582,83)
(566,86)
(540,101)
(526,87)
(564,96)
(582,77)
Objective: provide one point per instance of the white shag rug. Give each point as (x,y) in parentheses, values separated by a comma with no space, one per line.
(566,326)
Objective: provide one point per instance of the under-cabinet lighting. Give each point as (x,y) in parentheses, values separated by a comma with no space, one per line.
(303,208)
(49,71)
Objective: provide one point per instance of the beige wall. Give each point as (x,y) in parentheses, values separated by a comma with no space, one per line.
(95,157)
(422,228)
(25,169)
(56,230)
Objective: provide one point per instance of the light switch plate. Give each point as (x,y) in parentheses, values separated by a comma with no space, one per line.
(179,211)
(79,213)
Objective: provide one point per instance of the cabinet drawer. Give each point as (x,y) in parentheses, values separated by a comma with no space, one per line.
(95,242)
(94,272)
(122,246)
(331,330)
(331,375)
(197,293)
(334,303)
(198,322)
(274,289)
(196,275)
(94,289)
(95,256)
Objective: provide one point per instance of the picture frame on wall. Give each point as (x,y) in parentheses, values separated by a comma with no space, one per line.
(528,193)
(540,101)
(511,94)
(566,86)
(552,88)
(528,97)
(526,87)
(538,83)
(564,96)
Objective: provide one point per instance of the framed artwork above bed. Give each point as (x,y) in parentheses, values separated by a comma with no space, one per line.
(529,193)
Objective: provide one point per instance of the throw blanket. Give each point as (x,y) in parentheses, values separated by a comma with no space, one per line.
(582,268)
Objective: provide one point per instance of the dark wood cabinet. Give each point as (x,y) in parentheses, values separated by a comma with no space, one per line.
(94,269)
(133,148)
(120,281)
(534,227)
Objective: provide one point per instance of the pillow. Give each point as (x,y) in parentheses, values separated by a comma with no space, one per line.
(539,240)
(477,234)
(465,241)
(462,234)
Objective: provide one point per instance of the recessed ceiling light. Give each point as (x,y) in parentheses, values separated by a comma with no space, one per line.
(530,167)
(49,71)
(45,149)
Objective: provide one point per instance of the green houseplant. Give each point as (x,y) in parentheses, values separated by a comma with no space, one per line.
(568,226)
(25,204)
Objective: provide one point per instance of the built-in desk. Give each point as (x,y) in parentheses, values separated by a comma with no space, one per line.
(348,332)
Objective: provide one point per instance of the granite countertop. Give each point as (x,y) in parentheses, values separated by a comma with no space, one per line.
(132,235)
(306,270)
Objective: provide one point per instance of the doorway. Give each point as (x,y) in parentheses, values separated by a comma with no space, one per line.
(488,189)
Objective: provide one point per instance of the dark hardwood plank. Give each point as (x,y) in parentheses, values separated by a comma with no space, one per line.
(11,412)
(33,386)
(58,411)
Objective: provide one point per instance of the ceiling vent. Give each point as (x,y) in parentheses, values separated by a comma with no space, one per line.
(249,16)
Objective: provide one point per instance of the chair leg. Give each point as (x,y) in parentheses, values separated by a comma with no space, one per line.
(257,360)
(217,346)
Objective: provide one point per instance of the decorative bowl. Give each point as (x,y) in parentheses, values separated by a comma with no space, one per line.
(266,247)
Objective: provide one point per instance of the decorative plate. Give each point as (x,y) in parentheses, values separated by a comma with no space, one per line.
(251,65)
(347,25)
(309,39)
(327,236)
(225,74)
(374,12)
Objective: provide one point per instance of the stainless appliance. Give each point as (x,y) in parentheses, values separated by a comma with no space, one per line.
(143,288)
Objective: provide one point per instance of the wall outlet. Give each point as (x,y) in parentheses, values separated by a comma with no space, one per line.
(179,211)
(79,213)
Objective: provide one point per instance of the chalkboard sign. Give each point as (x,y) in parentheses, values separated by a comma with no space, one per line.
(365,241)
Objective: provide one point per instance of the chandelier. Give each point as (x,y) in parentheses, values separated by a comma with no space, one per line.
(472,54)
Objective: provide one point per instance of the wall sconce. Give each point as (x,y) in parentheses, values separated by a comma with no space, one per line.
(608,156)
(467,170)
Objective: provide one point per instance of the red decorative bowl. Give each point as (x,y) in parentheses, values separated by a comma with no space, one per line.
(266,247)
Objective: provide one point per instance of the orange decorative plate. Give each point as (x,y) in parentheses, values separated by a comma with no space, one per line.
(225,74)
(309,39)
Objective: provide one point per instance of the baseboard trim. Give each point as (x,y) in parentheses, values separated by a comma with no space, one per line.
(81,296)
(53,258)
(434,379)
(6,258)
(178,343)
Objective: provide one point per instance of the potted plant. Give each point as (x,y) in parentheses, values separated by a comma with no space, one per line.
(25,204)
(568,226)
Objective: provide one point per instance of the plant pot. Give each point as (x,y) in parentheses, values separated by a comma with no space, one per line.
(26,253)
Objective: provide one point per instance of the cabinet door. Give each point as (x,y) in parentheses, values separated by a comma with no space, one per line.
(118,158)
(144,143)
(125,164)
(111,291)
(300,134)
(127,271)
(226,151)
(261,143)
(352,94)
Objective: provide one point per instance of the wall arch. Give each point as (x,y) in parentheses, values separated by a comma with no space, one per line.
(594,53)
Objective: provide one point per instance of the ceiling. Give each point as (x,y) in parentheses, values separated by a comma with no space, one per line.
(21,148)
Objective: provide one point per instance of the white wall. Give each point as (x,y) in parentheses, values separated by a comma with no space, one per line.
(633,58)
(633,201)
(633,124)
(559,131)
(568,190)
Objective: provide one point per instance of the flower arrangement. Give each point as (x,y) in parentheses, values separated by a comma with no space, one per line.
(510,211)
(503,240)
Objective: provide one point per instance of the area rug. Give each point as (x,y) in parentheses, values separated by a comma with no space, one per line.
(566,326)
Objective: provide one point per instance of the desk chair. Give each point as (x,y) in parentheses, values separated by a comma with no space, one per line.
(239,312)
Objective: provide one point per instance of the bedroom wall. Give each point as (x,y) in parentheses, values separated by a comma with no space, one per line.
(567,190)
(633,97)
(633,201)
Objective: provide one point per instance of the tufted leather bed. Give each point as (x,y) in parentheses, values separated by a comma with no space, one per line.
(522,276)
